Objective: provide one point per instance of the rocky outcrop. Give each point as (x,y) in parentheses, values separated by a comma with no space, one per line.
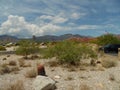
(43,83)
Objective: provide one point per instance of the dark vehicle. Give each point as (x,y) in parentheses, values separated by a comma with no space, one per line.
(110,48)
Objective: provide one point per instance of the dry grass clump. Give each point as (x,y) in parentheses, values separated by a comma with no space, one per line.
(32,73)
(69,78)
(4,59)
(14,69)
(111,77)
(84,87)
(53,63)
(21,62)
(34,57)
(109,63)
(4,69)
(18,85)
(12,63)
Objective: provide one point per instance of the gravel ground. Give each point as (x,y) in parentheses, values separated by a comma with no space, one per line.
(78,79)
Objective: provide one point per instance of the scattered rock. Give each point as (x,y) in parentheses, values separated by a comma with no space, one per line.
(43,83)
(57,77)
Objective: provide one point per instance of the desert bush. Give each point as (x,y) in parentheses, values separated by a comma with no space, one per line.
(109,63)
(26,48)
(14,69)
(107,39)
(12,63)
(69,52)
(4,69)
(2,48)
(32,73)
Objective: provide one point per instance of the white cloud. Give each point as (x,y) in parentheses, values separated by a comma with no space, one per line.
(17,26)
(77,15)
(54,19)
(87,27)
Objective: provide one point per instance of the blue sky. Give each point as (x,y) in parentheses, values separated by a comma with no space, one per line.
(24,18)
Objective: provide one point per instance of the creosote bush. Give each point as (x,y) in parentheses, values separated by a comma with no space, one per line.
(107,39)
(26,48)
(69,52)
(2,48)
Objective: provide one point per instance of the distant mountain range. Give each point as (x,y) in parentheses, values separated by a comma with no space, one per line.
(7,38)
(57,38)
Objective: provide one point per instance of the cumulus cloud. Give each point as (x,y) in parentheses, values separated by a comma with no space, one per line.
(17,26)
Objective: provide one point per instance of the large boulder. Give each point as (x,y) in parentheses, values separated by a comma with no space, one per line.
(43,83)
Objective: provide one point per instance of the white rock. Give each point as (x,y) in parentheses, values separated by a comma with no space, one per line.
(43,83)
(57,77)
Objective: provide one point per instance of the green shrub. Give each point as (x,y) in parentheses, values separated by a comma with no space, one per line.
(26,48)
(107,39)
(2,48)
(69,52)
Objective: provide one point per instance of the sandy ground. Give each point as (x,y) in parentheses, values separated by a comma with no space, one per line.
(70,79)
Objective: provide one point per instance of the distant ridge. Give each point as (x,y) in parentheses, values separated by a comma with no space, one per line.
(57,38)
(7,38)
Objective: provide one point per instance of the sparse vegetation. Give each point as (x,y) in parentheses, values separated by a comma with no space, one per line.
(4,58)
(69,78)
(12,63)
(32,73)
(70,52)
(107,39)
(18,85)
(111,77)
(2,48)
(109,63)
(84,87)
(26,48)
(21,62)
(53,63)
(4,69)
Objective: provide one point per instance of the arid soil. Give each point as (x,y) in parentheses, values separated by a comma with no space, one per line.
(84,77)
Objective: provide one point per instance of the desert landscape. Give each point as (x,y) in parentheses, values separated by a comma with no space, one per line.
(59,44)
(17,73)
